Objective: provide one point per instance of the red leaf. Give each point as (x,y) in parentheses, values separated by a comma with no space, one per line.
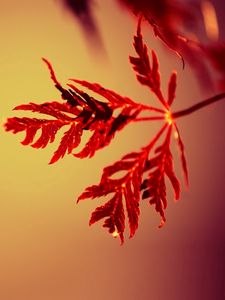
(143,174)
(30,134)
(31,126)
(96,191)
(114,212)
(132,204)
(114,98)
(52,73)
(47,136)
(154,186)
(54,109)
(182,155)
(155,72)
(146,74)
(70,140)
(82,112)
(141,64)
(169,171)
(134,165)
(127,187)
(172,88)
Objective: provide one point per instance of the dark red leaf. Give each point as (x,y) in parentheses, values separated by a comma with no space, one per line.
(114,98)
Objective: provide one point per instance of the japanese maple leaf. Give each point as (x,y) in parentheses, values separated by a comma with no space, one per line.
(80,113)
(147,169)
(144,171)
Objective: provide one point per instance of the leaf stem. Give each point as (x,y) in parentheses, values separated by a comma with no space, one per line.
(155,139)
(149,119)
(198,106)
(152,108)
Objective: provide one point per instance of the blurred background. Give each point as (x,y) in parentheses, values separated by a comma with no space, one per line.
(47,249)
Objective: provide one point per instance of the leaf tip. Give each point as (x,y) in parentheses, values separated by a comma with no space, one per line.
(52,161)
(139,25)
(162,223)
(45,60)
(52,73)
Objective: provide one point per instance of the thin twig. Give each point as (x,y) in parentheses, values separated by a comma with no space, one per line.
(198,106)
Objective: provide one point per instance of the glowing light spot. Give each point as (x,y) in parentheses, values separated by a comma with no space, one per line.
(123,186)
(169,118)
(210,20)
(176,135)
(115,234)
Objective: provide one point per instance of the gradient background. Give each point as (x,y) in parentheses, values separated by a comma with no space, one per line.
(47,250)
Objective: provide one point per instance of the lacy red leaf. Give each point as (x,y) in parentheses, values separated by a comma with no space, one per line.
(154,186)
(141,173)
(138,175)
(125,188)
(172,85)
(147,74)
(80,112)
(144,173)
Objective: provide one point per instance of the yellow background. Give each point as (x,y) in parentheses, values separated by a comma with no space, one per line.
(47,249)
